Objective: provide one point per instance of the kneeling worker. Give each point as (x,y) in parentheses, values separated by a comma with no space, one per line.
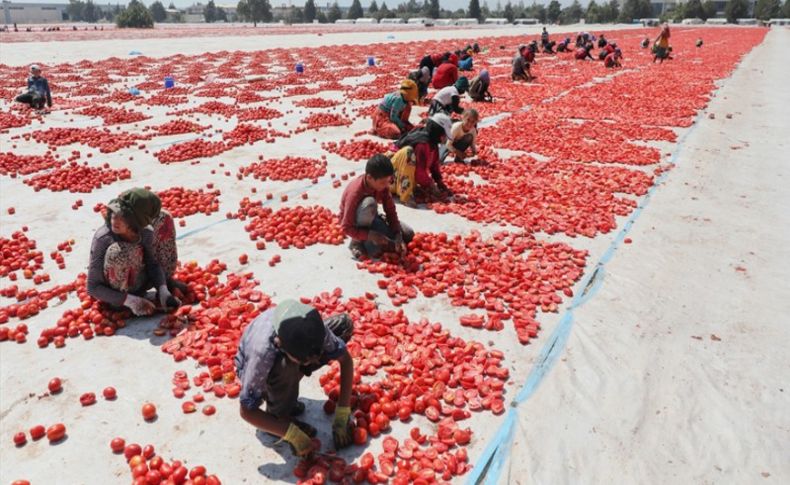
(277,349)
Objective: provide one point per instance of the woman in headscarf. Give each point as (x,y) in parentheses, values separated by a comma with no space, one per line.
(132,252)
(422,77)
(661,46)
(391,119)
(478,90)
(416,163)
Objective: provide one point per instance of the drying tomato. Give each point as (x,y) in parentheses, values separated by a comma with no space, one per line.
(56,432)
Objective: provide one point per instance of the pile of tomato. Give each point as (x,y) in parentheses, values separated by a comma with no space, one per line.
(148,468)
(317,103)
(113,116)
(248,134)
(77,178)
(189,150)
(12,164)
(181,202)
(356,149)
(178,127)
(319,120)
(290,226)
(258,113)
(285,169)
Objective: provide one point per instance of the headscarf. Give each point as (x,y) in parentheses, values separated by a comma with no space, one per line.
(425,75)
(408,89)
(462,85)
(484,76)
(141,206)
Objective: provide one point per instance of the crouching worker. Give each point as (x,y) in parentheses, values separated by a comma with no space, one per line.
(417,165)
(38,92)
(370,233)
(276,350)
(478,90)
(521,63)
(564,46)
(134,251)
(391,119)
(614,59)
(463,137)
(421,77)
(448,99)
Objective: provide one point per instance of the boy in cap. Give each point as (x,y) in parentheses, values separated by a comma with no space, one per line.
(276,350)
(37,90)
(521,63)
(370,233)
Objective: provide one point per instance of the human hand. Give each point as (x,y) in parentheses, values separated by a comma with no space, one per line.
(301,444)
(139,306)
(166,299)
(341,431)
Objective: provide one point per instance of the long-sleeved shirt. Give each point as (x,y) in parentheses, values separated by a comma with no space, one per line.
(427,170)
(257,354)
(478,90)
(445,75)
(397,109)
(519,65)
(41,86)
(97,285)
(349,202)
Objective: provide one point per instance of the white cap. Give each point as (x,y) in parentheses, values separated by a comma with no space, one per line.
(34,67)
(445,122)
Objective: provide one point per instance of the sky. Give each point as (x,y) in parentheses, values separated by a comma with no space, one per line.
(446,4)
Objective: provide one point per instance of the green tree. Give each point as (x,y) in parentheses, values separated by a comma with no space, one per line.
(259,11)
(709,9)
(593,13)
(384,12)
(767,9)
(433,9)
(694,9)
(610,11)
(242,10)
(474,10)
(635,9)
(210,12)
(736,9)
(90,13)
(321,17)
(135,16)
(355,11)
(509,13)
(334,13)
(373,8)
(554,11)
(295,16)
(74,10)
(158,11)
(309,11)
(786,10)
(572,13)
(221,15)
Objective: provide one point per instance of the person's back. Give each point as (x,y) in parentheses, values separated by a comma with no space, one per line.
(445,75)
(519,64)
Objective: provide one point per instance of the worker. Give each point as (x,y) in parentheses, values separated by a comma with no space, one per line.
(431,61)
(134,251)
(391,119)
(613,60)
(277,349)
(544,37)
(645,42)
(422,77)
(417,164)
(465,60)
(699,42)
(521,64)
(564,46)
(372,234)
(582,53)
(661,47)
(463,137)
(478,88)
(602,42)
(607,49)
(38,92)
(447,73)
(448,100)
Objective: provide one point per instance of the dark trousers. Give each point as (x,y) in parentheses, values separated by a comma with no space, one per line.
(368,218)
(32,99)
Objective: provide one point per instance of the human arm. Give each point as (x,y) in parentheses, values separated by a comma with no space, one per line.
(422,175)
(348,212)
(396,111)
(97,286)
(391,212)
(340,428)
(156,274)
(47,93)
(456,105)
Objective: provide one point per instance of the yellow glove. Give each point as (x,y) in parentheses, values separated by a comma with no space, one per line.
(340,428)
(301,443)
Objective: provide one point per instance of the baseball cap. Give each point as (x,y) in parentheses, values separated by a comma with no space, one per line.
(300,329)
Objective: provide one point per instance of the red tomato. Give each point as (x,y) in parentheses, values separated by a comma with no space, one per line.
(132,450)
(109,393)
(88,399)
(209,410)
(37,432)
(148,451)
(197,471)
(360,436)
(56,432)
(149,411)
(55,385)
(20,439)
(117,445)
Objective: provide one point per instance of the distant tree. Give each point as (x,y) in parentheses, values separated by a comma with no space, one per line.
(334,13)
(355,11)
(610,11)
(635,9)
(709,9)
(786,10)
(593,13)
(321,17)
(433,9)
(221,15)
(259,11)
(210,12)
(158,11)
(295,16)
(767,9)
(373,8)
(509,13)
(309,11)
(572,13)
(554,11)
(736,9)
(474,10)
(74,10)
(384,12)
(135,16)
(485,12)
(90,13)
(693,9)
(243,10)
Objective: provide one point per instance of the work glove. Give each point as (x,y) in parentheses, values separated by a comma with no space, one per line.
(341,431)
(139,306)
(166,299)
(301,444)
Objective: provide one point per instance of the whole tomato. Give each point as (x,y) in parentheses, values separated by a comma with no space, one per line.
(56,432)
(55,385)
(109,393)
(37,432)
(149,411)
(117,445)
